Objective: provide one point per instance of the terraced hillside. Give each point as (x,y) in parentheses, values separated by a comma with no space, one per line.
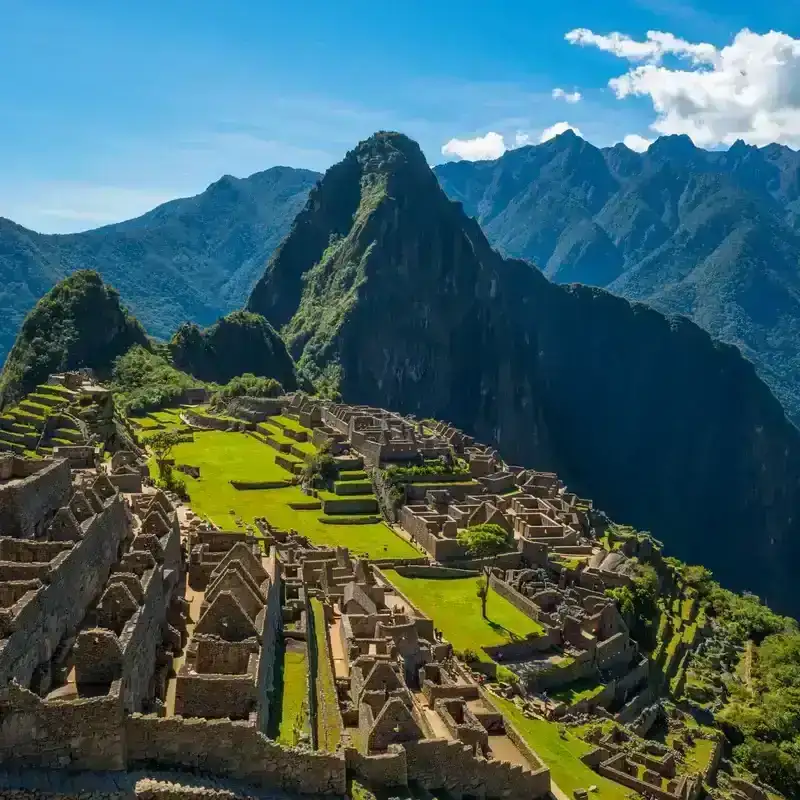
(44,419)
(245,475)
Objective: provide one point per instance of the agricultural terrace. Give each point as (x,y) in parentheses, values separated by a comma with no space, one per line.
(455,608)
(166,419)
(561,750)
(225,456)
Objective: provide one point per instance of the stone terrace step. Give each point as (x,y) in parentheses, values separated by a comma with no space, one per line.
(26,418)
(34,408)
(49,400)
(70,434)
(7,444)
(56,391)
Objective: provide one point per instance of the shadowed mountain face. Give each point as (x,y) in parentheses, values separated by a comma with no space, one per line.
(195,258)
(389,289)
(712,235)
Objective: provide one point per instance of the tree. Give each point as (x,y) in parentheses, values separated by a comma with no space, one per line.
(485,541)
(161,445)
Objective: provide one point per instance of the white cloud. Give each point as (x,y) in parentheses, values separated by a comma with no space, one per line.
(493,145)
(569,97)
(557,130)
(657,44)
(749,89)
(480,148)
(635,142)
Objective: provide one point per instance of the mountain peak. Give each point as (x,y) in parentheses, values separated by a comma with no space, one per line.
(673,146)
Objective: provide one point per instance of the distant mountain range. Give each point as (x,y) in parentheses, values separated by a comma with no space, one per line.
(190,259)
(712,235)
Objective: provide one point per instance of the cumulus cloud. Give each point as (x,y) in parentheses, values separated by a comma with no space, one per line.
(569,97)
(557,130)
(493,145)
(749,89)
(480,148)
(635,142)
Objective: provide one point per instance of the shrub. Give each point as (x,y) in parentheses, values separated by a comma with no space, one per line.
(144,381)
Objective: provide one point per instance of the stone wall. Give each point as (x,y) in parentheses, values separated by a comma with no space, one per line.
(438,764)
(61,604)
(27,504)
(518,600)
(233,749)
(424,571)
(87,733)
(273,625)
(387,769)
(139,641)
(130,483)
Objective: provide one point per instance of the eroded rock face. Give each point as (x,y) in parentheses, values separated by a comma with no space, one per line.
(385,286)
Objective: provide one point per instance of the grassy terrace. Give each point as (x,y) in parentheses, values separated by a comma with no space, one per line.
(329,732)
(293,685)
(226,455)
(455,608)
(575,692)
(561,755)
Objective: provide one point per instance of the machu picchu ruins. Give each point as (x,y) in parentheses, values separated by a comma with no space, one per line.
(334,630)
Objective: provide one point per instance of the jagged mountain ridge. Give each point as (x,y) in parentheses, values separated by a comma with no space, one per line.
(195,258)
(395,292)
(712,235)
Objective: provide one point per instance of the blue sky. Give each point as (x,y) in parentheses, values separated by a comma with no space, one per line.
(108,108)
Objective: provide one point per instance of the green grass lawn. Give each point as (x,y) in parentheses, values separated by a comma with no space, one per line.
(455,608)
(329,732)
(225,455)
(294,684)
(288,422)
(562,756)
(575,692)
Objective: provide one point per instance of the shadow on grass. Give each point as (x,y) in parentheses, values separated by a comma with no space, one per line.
(502,630)
(276,706)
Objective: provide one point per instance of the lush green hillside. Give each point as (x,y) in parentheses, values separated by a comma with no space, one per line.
(80,322)
(195,258)
(712,235)
(237,344)
(392,290)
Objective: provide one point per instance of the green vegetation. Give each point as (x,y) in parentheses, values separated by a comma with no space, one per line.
(241,343)
(485,541)
(329,731)
(454,606)
(638,603)
(224,456)
(247,384)
(294,696)
(575,692)
(80,322)
(457,469)
(560,750)
(765,714)
(143,380)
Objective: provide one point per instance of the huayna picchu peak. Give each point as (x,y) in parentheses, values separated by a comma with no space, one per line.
(389,289)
